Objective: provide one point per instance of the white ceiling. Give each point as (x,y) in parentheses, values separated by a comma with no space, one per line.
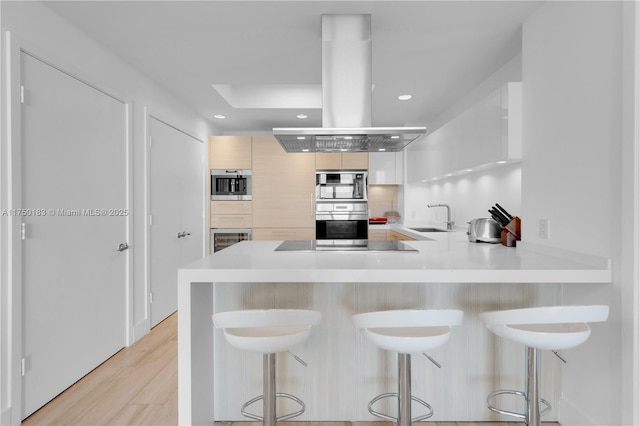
(435,50)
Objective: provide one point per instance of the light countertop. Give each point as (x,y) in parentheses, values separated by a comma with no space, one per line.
(441,257)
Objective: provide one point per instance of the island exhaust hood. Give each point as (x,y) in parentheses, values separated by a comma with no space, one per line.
(346,96)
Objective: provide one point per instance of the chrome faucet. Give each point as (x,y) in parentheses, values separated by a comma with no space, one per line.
(449,222)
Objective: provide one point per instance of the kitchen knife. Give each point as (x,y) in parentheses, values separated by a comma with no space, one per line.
(506,213)
(495,217)
(502,219)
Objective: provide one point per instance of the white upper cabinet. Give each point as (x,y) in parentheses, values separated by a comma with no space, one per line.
(485,135)
(386,168)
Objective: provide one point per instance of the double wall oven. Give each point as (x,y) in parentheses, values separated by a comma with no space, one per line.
(341,205)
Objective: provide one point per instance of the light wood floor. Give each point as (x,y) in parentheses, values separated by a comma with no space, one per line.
(139,386)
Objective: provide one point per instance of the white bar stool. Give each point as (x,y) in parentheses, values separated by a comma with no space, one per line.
(545,328)
(407,332)
(268,332)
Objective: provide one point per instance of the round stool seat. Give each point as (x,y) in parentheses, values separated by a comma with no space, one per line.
(408,331)
(550,328)
(266,330)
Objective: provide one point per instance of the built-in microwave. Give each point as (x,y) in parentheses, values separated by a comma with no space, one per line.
(341,185)
(230,184)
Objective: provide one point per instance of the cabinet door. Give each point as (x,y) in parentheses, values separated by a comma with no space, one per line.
(284,234)
(230,152)
(393,235)
(283,186)
(231,220)
(231,207)
(385,168)
(377,234)
(328,160)
(355,160)
(342,160)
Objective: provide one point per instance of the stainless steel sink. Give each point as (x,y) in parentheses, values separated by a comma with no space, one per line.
(428,230)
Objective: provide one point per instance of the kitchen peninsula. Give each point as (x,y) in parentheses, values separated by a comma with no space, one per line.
(344,371)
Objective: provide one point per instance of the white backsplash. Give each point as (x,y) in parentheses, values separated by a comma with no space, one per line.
(469,196)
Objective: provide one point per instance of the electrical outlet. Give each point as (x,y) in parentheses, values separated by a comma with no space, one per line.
(543,229)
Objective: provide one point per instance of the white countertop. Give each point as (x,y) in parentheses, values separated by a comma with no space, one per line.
(446,257)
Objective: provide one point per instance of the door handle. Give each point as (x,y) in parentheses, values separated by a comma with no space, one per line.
(123,247)
(183,234)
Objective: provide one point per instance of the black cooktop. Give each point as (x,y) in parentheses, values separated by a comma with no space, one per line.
(371,246)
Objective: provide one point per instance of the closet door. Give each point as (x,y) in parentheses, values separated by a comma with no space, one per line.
(74,187)
(177,211)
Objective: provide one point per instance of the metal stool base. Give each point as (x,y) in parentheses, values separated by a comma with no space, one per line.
(532,395)
(511,413)
(395,419)
(245,413)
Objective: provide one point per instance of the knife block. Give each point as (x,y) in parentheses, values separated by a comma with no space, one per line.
(511,232)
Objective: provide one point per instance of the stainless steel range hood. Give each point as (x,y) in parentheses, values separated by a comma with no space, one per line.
(346,96)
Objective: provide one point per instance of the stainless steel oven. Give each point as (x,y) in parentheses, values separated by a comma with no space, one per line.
(231,184)
(342,221)
(224,237)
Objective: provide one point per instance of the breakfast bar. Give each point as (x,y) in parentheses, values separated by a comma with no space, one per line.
(344,371)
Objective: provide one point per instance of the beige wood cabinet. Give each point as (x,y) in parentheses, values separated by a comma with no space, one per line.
(342,160)
(231,221)
(378,234)
(231,207)
(231,214)
(230,152)
(284,233)
(394,235)
(283,189)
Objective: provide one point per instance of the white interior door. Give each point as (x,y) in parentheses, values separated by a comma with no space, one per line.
(74,159)
(176,205)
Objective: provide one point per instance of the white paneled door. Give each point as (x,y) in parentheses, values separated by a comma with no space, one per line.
(74,192)
(177,212)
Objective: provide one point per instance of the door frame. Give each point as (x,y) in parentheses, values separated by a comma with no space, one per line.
(15,47)
(144,326)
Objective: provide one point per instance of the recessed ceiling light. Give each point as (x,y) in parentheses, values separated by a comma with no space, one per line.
(395,137)
(343,150)
(305,150)
(348,137)
(381,149)
(220,116)
(405,97)
(301,138)
(302,116)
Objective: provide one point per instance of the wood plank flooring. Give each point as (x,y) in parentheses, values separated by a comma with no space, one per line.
(139,386)
(136,386)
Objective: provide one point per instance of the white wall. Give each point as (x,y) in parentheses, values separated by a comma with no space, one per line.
(571,175)
(39,30)
(471,195)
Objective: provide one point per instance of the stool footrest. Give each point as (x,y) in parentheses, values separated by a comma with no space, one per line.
(511,413)
(395,419)
(278,395)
